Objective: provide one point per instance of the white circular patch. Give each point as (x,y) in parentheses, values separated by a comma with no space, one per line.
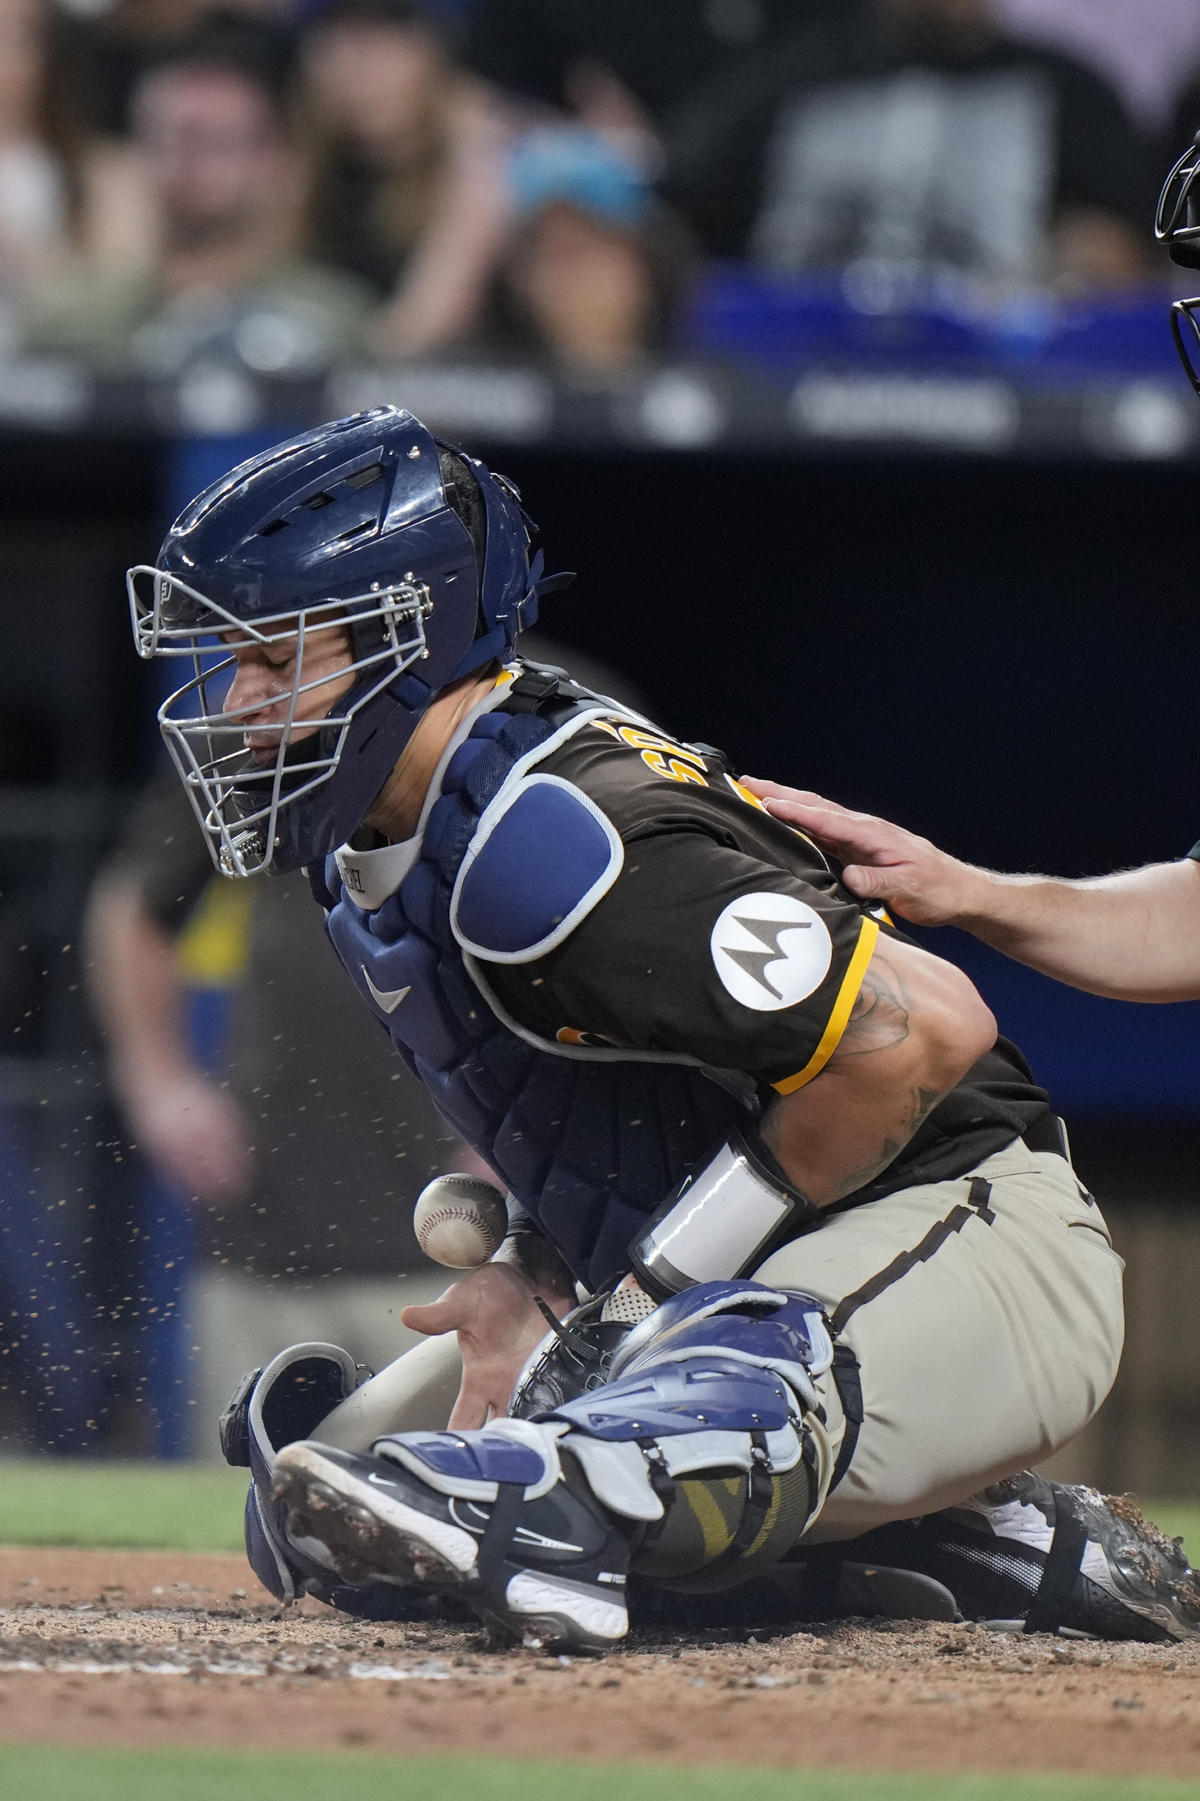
(771,950)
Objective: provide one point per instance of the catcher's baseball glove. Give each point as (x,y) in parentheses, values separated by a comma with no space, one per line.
(574,1356)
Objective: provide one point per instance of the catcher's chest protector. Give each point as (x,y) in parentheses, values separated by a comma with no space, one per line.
(589,1145)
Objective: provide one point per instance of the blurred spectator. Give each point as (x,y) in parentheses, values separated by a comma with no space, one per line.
(39,175)
(1141,46)
(59,184)
(379,90)
(915,136)
(410,190)
(615,63)
(620,67)
(597,265)
(124,39)
(224,180)
(301,1185)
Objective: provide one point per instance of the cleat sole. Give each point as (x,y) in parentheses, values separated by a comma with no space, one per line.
(364,1542)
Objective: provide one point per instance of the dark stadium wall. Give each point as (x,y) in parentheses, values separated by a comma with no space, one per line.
(1001,657)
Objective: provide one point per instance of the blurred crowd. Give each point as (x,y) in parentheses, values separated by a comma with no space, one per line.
(297,182)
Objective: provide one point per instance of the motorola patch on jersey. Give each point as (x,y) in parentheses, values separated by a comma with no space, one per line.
(771,950)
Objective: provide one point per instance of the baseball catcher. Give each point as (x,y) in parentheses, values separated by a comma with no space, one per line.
(838,1277)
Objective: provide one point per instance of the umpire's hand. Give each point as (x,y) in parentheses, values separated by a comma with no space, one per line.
(493,1312)
(882,862)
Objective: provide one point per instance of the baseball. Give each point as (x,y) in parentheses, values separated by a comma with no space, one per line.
(460,1221)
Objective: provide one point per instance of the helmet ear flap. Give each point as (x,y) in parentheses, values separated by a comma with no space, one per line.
(501,532)
(464,498)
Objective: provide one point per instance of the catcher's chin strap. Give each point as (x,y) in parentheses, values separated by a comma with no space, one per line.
(1062,1566)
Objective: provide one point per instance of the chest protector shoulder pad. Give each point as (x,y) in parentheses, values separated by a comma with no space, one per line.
(537,823)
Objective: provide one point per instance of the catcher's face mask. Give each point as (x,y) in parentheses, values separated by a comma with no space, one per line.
(1177,225)
(263,723)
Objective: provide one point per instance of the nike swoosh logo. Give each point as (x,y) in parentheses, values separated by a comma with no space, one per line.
(382,1481)
(522,1534)
(467,1525)
(387,999)
(543,1543)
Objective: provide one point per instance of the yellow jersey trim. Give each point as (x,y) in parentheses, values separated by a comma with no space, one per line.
(751,800)
(839,1017)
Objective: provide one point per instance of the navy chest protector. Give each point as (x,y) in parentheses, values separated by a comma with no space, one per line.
(590,1141)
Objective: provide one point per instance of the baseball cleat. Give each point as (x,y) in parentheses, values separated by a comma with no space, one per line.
(341,1503)
(1061,1557)
(484,1516)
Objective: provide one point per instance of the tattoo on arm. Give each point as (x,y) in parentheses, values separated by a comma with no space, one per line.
(879,1017)
(922,1102)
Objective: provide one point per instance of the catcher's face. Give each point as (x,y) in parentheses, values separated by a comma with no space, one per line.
(285,685)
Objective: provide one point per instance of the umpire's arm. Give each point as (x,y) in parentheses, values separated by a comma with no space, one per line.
(1131,936)
(916,1028)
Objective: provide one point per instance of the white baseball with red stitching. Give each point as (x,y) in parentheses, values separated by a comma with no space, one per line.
(460,1221)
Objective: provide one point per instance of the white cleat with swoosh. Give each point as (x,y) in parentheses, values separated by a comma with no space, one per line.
(529,1553)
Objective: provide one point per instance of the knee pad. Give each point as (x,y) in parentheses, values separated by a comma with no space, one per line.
(271,1408)
(769,1328)
(715,1388)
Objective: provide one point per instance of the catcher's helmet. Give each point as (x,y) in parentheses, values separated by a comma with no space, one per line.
(1177,225)
(370,525)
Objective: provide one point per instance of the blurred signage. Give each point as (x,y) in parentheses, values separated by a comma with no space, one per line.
(687,406)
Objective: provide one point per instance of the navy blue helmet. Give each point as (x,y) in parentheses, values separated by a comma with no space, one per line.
(415,552)
(1177,225)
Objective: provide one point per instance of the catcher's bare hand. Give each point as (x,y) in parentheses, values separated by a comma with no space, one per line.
(882,861)
(493,1312)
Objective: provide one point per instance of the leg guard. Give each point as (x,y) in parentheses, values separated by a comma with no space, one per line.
(706,1432)
(495,1516)
(270,1408)
(696,1465)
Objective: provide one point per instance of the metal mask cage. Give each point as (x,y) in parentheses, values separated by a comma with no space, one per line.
(1177,225)
(1185,329)
(236,803)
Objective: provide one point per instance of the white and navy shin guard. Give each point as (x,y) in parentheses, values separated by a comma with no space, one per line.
(717,1382)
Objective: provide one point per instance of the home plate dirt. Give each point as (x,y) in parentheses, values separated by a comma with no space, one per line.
(150,1647)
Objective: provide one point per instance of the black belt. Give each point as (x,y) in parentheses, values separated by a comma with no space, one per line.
(1048,1134)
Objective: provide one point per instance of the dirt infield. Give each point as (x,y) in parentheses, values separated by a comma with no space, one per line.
(139,1647)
